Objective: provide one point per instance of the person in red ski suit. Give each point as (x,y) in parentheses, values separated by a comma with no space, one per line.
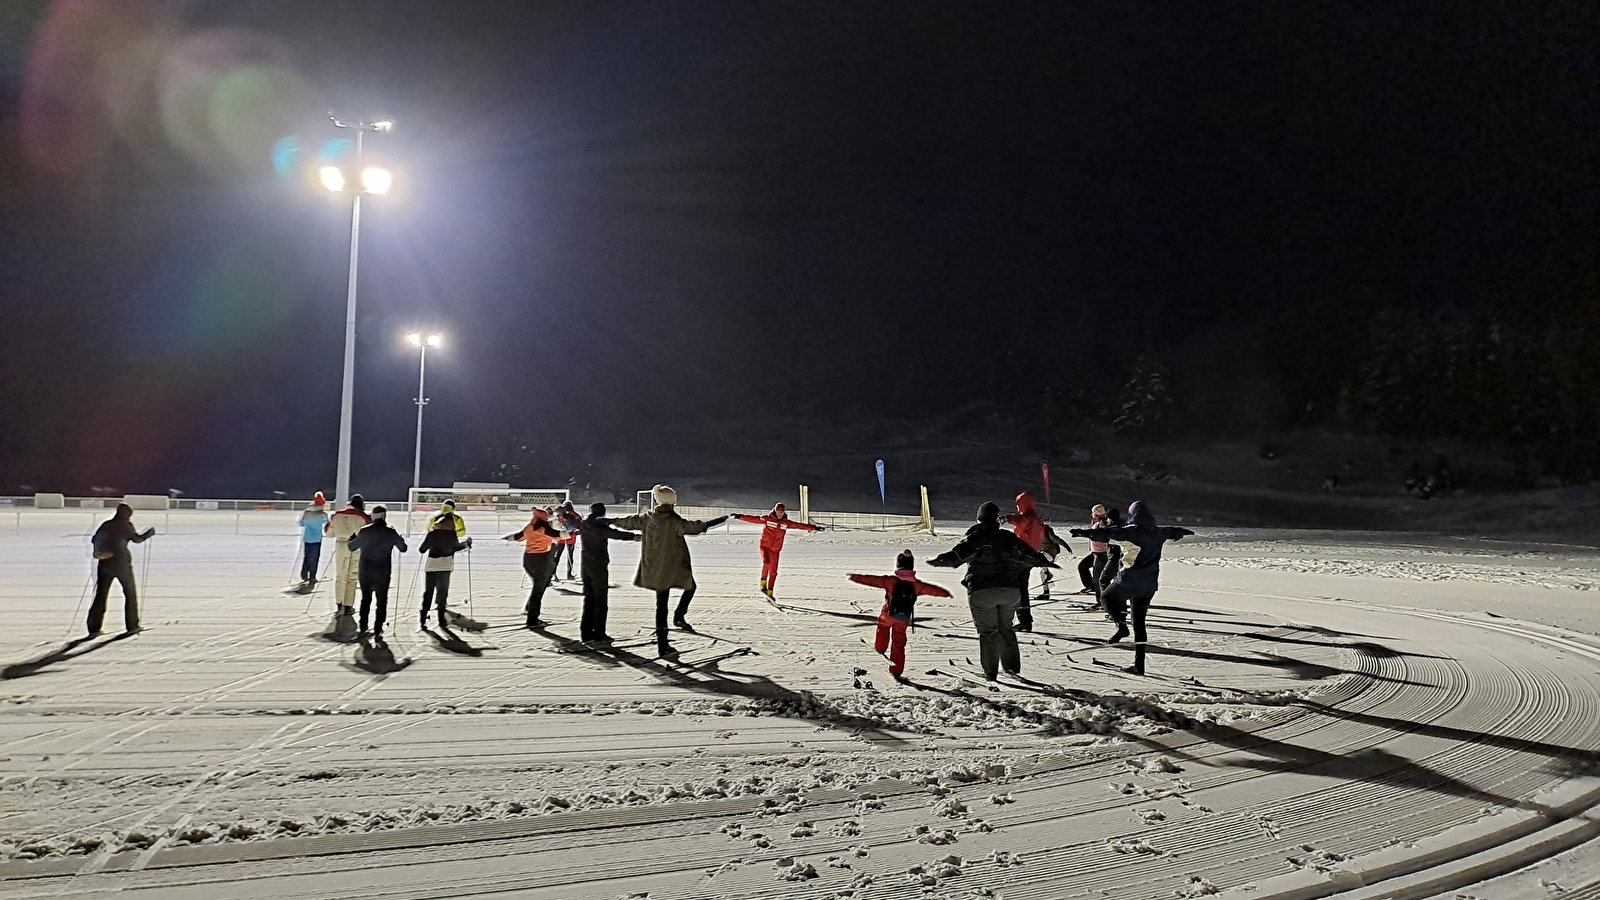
(1039,537)
(900,593)
(775,527)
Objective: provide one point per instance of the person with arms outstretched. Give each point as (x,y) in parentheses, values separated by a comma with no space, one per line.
(598,533)
(996,562)
(537,537)
(664,559)
(900,593)
(1135,585)
(775,527)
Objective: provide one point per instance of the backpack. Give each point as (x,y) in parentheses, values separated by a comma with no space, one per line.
(903,599)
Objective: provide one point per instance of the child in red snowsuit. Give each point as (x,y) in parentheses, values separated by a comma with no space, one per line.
(900,593)
(775,527)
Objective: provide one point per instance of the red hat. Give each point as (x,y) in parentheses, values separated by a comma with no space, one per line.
(319,500)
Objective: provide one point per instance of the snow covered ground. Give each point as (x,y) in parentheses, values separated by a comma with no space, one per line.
(1378,715)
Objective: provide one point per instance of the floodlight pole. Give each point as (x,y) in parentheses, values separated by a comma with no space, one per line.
(422,400)
(341,490)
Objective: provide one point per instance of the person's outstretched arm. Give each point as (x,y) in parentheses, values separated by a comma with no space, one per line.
(697,526)
(617,535)
(750,520)
(881,582)
(631,523)
(1174,533)
(1113,533)
(955,556)
(925,589)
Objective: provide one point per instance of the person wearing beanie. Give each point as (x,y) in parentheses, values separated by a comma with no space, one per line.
(597,532)
(313,519)
(374,546)
(343,525)
(1041,538)
(114,562)
(664,560)
(1135,585)
(900,593)
(441,546)
(447,510)
(537,537)
(570,523)
(996,562)
(775,527)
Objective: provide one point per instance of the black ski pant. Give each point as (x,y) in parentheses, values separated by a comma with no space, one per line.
(596,598)
(1117,603)
(661,611)
(434,584)
(555,566)
(310,560)
(541,567)
(107,571)
(1025,603)
(374,584)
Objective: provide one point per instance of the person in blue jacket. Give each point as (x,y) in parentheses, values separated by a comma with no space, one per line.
(312,520)
(1135,585)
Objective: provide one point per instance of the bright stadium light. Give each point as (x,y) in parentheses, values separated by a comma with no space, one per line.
(376,180)
(415,339)
(435,340)
(383,125)
(332,178)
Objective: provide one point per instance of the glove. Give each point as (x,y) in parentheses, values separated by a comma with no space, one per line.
(467,543)
(150,531)
(1078,532)
(819,528)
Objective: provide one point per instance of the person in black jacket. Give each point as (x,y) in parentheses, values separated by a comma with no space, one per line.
(1135,585)
(376,543)
(441,545)
(115,563)
(594,535)
(996,562)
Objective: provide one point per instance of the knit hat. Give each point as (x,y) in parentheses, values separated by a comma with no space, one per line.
(1099,510)
(447,506)
(380,511)
(905,560)
(664,495)
(566,504)
(597,509)
(779,508)
(358,502)
(1140,514)
(318,500)
(989,512)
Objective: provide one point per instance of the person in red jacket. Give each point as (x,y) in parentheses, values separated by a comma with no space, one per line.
(775,527)
(900,593)
(1040,538)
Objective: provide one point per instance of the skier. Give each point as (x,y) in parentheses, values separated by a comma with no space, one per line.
(114,562)
(664,560)
(568,520)
(312,520)
(900,593)
(447,510)
(1103,561)
(441,544)
(597,533)
(343,525)
(537,537)
(1038,535)
(996,561)
(375,545)
(775,527)
(1138,582)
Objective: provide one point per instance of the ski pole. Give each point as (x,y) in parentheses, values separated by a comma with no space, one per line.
(470,613)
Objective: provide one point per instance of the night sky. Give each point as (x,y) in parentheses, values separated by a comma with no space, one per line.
(656,232)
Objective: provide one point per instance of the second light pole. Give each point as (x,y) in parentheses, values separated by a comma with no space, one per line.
(417,339)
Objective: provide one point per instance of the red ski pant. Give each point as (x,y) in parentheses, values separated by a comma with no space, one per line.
(891,641)
(769,566)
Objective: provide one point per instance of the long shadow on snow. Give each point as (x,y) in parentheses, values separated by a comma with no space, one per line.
(1576,755)
(445,639)
(757,687)
(70,650)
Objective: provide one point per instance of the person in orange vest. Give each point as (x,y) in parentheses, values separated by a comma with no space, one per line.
(900,593)
(537,537)
(775,527)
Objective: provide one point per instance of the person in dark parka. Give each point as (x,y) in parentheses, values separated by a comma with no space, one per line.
(595,535)
(1135,585)
(376,543)
(997,561)
(115,563)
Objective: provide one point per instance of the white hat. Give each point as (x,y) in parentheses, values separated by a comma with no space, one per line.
(664,495)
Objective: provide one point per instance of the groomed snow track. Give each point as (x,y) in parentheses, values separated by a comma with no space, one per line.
(1344,739)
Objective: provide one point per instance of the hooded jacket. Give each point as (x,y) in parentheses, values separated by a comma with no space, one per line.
(538,535)
(111,539)
(1026,522)
(1142,577)
(774,528)
(664,560)
(993,556)
(375,542)
(905,607)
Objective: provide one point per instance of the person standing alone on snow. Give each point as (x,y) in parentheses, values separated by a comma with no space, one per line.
(1137,583)
(900,593)
(312,520)
(597,533)
(996,562)
(375,545)
(775,527)
(343,525)
(537,537)
(664,560)
(1034,532)
(441,545)
(114,562)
